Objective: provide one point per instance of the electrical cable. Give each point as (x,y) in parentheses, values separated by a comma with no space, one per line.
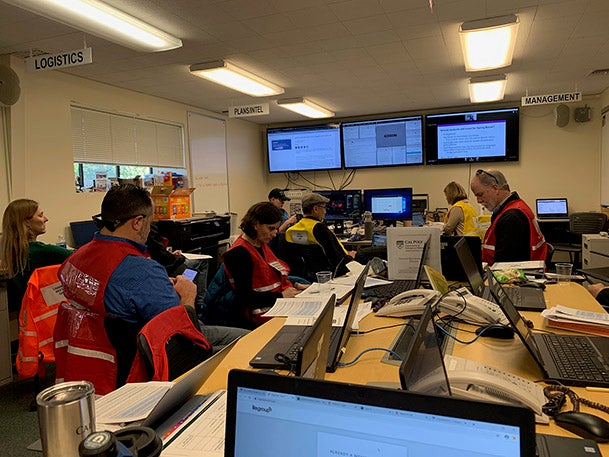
(356,359)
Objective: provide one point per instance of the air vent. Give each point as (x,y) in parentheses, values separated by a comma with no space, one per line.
(600,72)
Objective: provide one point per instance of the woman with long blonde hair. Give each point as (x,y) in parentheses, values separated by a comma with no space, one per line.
(22,223)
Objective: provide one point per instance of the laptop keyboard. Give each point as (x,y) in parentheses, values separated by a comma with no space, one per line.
(388,291)
(575,358)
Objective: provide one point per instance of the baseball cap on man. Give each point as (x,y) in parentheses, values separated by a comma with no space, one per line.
(278,194)
(313,199)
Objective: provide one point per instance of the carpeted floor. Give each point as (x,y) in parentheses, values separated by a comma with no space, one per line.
(19,425)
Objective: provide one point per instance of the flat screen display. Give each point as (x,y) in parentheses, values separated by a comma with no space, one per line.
(344,204)
(383,142)
(472,136)
(304,148)
(389,204)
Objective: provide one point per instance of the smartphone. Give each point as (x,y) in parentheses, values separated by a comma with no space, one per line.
(190,274)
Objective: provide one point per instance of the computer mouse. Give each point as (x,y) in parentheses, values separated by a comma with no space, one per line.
(585,425)
(533,284)
(503,332)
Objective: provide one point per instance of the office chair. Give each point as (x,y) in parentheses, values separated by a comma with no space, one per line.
(580,224)
(169,345)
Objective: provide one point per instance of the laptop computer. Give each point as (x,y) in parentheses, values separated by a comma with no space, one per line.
(552,208)
(285,350)
(340,334)
(386,292)
(83,231)
(524,298)
(312,417)
(424,361)
(451,268)
(570,359)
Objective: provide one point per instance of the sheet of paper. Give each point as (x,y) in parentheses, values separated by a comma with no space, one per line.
(525,265)
(191,256)
(339,316)
(132,402)
(304,321)
(566,314)
(286,307)
(204,436)
(363,310)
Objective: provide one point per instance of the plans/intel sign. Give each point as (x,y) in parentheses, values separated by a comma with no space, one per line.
(60,60)
(567,97)
(248,110)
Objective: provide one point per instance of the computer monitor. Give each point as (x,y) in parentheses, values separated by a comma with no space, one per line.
(552,208)
(389,204)
(343,205)
(83,231)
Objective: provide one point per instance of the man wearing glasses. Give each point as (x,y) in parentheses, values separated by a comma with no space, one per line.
(310,230)
(514,234)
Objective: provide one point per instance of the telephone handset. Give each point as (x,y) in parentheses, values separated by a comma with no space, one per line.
(472,309)
(409,303)
(474,381)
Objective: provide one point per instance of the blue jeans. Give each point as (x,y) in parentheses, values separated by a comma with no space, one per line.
(221,336)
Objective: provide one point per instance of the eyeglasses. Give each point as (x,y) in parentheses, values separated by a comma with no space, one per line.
(482,172)
(112,225)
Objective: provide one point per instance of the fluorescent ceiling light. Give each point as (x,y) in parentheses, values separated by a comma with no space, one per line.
(100,19)
(487,88)
(229,75)
(305,107)
(489,43)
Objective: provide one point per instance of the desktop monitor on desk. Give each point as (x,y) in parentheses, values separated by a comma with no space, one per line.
(389,204)
(344,205)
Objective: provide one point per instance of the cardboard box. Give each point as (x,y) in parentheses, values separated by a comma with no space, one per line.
(170,203)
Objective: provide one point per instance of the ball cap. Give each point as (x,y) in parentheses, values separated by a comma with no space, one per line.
(313,199)
(278,194)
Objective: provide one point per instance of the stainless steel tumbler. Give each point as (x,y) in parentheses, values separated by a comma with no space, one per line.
(66,414)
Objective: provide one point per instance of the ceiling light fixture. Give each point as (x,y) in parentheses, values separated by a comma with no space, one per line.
(305,107)
(236,78)
(487,88)
(489,43)
(100,19)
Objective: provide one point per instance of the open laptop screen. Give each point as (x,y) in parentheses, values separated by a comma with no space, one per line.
(552,208)
(311,417)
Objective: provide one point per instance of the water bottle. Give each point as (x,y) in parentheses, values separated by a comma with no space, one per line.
(368,225)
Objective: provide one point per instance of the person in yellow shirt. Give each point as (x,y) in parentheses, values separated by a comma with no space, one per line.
(459,220)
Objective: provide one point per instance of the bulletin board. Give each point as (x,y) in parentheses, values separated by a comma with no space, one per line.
(208,165)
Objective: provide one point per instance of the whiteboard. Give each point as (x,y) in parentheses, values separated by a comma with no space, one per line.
(5,182)
(605,160)
(208,165)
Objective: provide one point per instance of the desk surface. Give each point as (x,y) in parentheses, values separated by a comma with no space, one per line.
(514,357)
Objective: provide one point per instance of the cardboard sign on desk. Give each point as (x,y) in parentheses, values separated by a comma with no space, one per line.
(404,247)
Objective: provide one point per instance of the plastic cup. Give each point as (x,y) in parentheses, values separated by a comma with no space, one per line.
(323,276)
(563,272)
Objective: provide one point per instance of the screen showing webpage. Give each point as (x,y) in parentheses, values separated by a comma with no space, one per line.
(383,142)
(308,426)
(472,139)
(304,149)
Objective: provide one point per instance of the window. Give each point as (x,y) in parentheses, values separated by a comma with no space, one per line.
(123,146)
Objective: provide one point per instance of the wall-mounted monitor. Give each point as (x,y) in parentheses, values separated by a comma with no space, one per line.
(389,204)
(383,142)
(343,205)
(304,148)
(490,135)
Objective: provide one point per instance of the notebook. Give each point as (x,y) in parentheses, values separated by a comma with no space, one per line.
(552,208)
(285,350)
(308,417)
(524,298)
(556,354)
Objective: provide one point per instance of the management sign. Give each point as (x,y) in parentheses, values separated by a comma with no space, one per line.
(567,97)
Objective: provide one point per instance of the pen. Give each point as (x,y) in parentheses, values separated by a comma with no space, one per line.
(597,389)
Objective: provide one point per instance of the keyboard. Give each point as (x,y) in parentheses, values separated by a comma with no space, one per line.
(575,358)
(388,291)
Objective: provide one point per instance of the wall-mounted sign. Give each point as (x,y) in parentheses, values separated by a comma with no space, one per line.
(59,61)
(567,97)
(248,110)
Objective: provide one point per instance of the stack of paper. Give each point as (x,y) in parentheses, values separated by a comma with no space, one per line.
(579,321)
